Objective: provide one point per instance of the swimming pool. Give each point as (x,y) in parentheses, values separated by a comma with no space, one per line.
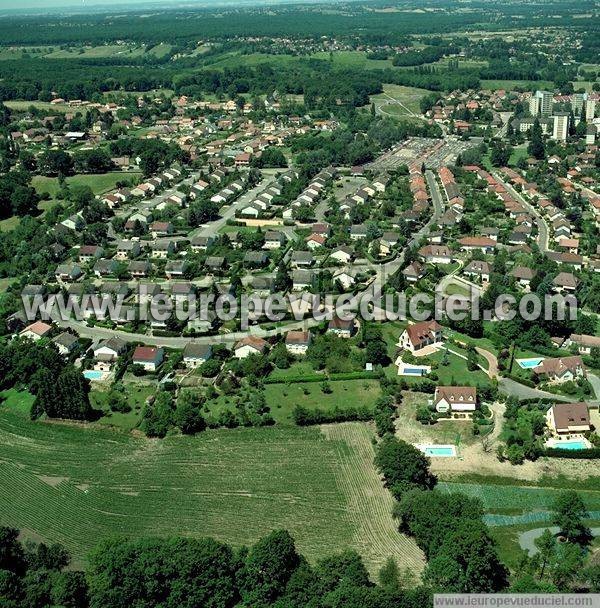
(530,363)
(414,371)
(574,444)
(438,451)
(92,374)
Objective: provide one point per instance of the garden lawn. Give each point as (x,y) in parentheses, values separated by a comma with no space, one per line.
(136,395)
(283,398)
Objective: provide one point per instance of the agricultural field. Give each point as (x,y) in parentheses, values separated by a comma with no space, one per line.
(78,484)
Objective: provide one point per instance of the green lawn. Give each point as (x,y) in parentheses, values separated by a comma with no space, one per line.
(407,99)
(517,154)
(283,398)
(98,183)
(42,105)
(17,401)
(78,485)
(136,397)
(456,371)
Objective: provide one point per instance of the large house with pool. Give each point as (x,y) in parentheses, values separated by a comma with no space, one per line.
(419,335)
(568,418)
(560,369)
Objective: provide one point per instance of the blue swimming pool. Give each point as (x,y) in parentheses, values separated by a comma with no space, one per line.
(530,363)
(92,374)
(414,371)
(444,451)
(576,444)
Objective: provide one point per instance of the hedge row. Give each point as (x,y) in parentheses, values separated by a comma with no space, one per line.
(588,453)
(321,378)
(305,417)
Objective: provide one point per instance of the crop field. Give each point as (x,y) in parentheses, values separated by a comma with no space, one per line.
(516,500)
(77,485)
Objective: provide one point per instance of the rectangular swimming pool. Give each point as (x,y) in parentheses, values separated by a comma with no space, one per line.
(438,451)
(414,371)
(92,374)
(576,444)
(529,363)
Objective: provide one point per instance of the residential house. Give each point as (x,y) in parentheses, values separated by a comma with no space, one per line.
(109,350)
(435,254)
(523,275)
(297,342)
(342,254)
(250,345)
(36,331)
(560,369)
(343,328)
(68,272)
(195,354)
(149,357)
(127,249)
(568,418)
(66,343)
(478,269)
(414,271)
(419,335)
(87,253)
(565,281)
(455,399)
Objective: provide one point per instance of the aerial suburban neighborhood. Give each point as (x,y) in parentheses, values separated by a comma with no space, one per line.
(299,305)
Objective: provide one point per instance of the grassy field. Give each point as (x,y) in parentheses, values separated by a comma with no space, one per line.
(76,485)
(283,398)
(399,100)
(136,395)
(42,105)
(98,183)
(513,84)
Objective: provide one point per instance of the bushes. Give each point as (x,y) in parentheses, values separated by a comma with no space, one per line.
(588,453)
(295,379)
(305,417)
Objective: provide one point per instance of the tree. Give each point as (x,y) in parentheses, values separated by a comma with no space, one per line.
(268,568)
(403,466)
(187,415)
(158,417)
(569,513)
(536,143)
(12,556)
(69,589)
(499,154)
(55,162)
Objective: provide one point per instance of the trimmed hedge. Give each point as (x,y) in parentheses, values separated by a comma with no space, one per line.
(520,380)
(588,453)
(322,378)
(305,417)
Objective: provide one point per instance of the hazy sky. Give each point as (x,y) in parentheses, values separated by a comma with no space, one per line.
(49,4)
